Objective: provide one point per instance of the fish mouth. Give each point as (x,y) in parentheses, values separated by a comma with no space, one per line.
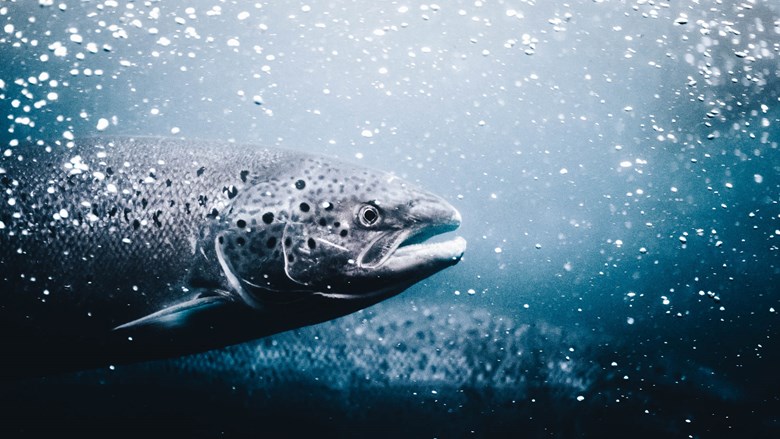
(397,259)
(416,248)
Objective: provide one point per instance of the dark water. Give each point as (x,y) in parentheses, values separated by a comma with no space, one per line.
(616,165)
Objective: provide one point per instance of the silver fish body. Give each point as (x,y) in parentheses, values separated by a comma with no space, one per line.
(118,250)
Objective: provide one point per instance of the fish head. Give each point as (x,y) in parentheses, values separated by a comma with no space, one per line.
(335,231)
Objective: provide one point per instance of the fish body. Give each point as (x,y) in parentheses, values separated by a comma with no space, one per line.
(127,249)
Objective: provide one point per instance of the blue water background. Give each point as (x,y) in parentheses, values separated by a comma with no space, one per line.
(616,165)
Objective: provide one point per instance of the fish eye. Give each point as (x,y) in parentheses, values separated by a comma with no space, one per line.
(368,215)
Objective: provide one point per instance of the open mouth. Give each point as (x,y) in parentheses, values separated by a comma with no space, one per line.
(415,247)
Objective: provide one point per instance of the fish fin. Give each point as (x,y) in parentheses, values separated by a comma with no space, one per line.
(213,293)
(181,314)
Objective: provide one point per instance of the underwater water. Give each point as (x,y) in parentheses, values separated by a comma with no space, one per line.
(615,163)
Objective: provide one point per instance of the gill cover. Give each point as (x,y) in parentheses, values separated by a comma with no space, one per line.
(312,256)
(252,260)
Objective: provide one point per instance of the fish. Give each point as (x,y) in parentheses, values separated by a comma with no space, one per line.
(118,250)
(434,366)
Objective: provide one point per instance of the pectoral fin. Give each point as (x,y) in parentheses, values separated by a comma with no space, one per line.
(181,315)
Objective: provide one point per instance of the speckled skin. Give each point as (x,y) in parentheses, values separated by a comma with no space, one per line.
(112,230)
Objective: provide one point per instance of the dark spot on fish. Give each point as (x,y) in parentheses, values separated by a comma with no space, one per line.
(231,191)
(202,200)
(287,242)
(244,175)
(304,207)
(343,233)
(337,224)
(201,171)
(144,202)
(109,171)
(271,243)
(241,224)
(156,218)
(328,206)
(112,211)
(268,217)
(214,213)
(300,184)
(136,224)
(290,258)
(187,208)
(311,243)
(323,222)
(168,182)
(240,240)
(221,240)
(171,203)
(127,213)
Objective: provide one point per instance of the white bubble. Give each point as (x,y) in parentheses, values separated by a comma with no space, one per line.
(580,398)
(164,41)
(497,250)
(243,15)
(758,178)
(102,124)
(367,133)
(625,164)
